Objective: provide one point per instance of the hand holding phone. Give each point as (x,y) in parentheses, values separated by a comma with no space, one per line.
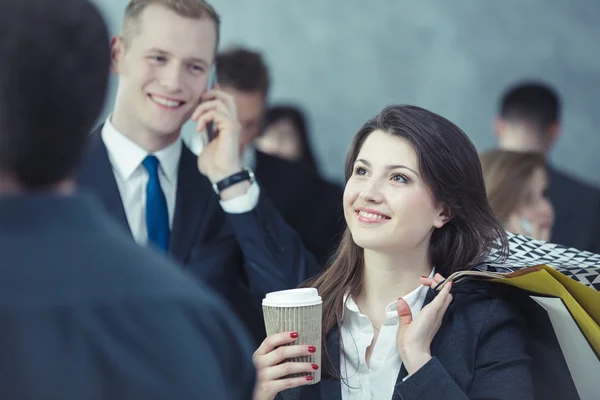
(216,115)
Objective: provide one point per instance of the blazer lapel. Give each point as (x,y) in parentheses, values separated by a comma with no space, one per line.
(96,174)
(193,196)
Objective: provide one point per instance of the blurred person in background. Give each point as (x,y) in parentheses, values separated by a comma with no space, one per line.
(294,187)
(86,313)
(517,185)
(286,135)
(529,120)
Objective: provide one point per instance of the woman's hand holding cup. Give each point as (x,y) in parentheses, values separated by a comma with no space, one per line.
(273,371)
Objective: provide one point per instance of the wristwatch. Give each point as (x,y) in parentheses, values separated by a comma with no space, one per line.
(245,175)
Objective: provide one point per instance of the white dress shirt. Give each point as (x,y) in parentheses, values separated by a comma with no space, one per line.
(377,381)
(126,159)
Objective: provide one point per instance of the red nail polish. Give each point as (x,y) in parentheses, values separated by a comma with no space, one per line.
(312,349)
(315,366)
(309,378)
(294,335)
(423,276)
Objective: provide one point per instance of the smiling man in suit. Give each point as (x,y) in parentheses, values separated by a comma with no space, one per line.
(206,212)
(86,313)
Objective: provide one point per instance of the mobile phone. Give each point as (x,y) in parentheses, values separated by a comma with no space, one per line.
(212,82)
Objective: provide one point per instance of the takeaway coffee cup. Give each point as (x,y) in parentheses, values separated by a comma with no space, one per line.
(297,310)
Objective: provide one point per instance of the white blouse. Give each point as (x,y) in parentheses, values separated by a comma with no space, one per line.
(377,381)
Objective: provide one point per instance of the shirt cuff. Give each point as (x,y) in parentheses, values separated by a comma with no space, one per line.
(244,203)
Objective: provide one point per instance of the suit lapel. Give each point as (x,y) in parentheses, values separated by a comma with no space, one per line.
(193,196)
(97,175)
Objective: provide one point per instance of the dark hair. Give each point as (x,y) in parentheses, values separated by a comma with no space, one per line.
(243,70)
(506,174)
(53,80)
(533,103)
(450,167)
(296,117)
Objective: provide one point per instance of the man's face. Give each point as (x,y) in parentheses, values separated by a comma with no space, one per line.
(163,70)
(521,137)
(251,108)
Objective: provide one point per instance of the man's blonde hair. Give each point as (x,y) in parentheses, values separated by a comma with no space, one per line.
(196,9)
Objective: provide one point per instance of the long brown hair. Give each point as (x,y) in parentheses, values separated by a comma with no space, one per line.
(506,174)
(450,167)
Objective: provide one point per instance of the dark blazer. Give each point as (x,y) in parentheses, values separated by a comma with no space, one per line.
(88,314)
(481,351)
(577,212)
(242,256)
(308,203)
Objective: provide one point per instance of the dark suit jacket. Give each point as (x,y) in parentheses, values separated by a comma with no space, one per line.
(481,351)
(308,203)
(577,209)
(88,314)
(242,256)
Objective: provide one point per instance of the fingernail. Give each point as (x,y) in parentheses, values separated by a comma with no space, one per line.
(294,335)
(312,349)
(315,366)
(423,276)
(309,378)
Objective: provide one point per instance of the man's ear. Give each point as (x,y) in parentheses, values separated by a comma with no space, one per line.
(553,134)
(117,49)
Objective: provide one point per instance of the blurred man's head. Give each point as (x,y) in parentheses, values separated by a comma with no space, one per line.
(243,74)
(53,79)
(163,58)
(529,118)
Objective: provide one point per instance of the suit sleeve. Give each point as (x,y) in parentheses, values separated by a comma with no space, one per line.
(274,256)
(501,368)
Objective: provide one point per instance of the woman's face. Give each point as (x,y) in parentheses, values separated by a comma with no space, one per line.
(387,205)
(282,140)
(535,215)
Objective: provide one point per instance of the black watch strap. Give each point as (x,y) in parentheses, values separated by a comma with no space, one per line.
(244,175)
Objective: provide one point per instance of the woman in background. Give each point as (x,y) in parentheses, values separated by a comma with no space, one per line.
(415,208)
(516,185)
(316,214)
(285,135)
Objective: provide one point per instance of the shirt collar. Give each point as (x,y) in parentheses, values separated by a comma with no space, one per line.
(126,156)
(412,299)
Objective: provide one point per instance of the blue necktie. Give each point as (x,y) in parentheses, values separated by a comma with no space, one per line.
(157,215)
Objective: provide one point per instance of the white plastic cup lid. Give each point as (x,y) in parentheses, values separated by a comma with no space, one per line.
(293,298)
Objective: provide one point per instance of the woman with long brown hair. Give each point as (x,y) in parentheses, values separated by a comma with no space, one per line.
(517,184)
(416,207)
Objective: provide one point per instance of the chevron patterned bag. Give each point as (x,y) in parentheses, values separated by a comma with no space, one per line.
(556,288)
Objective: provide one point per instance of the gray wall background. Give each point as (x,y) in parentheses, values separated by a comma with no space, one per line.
(343,61)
